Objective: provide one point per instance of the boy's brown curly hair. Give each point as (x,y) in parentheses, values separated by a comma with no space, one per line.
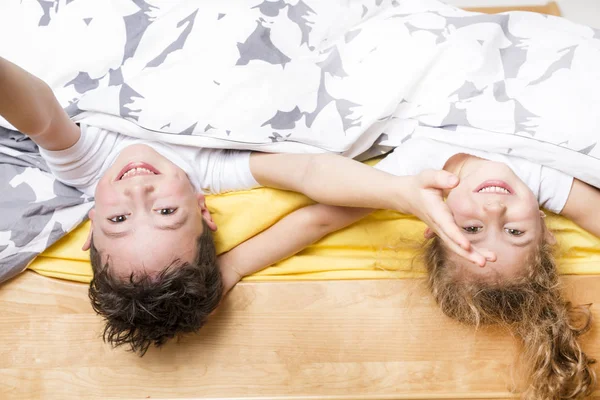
(142,310)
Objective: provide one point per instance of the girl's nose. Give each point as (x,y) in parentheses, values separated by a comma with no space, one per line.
(494,207)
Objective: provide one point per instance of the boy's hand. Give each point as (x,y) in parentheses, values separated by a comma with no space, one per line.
(230,278)
(426,201)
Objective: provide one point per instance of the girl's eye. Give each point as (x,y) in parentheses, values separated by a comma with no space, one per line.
(117,219)
(472,229)
(167,211)
(514,232)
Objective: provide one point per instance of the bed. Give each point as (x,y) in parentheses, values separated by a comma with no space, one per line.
(314,326)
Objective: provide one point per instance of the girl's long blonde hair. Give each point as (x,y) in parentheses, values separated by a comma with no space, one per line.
(533,307)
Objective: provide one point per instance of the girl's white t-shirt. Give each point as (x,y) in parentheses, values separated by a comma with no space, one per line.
(210,171)
(550,187)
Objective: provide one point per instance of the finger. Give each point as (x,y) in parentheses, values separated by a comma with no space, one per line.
(488,254)
(439,179)
(453,236)
(470,255)
(446,224)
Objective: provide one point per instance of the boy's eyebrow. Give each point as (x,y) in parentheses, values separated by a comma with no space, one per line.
(115,235)
(174,226)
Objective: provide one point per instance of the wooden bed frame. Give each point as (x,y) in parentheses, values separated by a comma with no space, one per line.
(381,339)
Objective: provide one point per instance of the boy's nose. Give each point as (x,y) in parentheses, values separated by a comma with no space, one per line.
(139,190)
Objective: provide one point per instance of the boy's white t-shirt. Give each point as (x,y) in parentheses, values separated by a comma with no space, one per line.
(210,171)
(550,187)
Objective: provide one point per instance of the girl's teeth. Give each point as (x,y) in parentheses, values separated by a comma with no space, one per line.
(494,189)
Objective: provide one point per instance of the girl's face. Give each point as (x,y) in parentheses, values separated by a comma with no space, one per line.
(498,212)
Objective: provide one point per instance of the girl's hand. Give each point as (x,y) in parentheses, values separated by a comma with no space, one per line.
(426,202)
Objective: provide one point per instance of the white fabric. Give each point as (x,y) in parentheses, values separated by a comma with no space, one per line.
(550,187)
(318,76)
(211,171)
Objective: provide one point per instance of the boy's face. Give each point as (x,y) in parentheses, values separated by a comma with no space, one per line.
(147,213)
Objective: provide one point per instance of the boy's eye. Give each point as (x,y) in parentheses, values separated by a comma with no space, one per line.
(167,211)
(472,229)
(514,232)
(118,218)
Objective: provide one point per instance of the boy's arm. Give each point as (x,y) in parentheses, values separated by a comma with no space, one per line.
(336,180)
(583,206)
(284,239)
(332,179)
(29,105)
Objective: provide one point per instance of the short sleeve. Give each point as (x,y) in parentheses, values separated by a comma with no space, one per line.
(415,156)
(82,164)
(555,187)
(226,171)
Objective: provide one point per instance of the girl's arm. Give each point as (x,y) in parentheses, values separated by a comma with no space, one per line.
(284,239)
(29,105)
(583,206)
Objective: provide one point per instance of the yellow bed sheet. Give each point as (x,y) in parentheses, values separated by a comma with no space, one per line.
(382,245)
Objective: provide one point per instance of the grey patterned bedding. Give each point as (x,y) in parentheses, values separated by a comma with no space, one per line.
(36,209)
(293,76)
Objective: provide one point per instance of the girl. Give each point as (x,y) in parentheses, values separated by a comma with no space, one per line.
(517,84)
(497,204)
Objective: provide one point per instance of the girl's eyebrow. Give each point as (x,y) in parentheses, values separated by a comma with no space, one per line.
(523,243)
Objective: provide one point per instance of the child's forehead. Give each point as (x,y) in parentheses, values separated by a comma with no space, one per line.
(150,252)
(511,263)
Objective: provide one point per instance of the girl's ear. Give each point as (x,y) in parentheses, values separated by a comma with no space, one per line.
(548,235)
(428,234)
(88,242)
(205,212)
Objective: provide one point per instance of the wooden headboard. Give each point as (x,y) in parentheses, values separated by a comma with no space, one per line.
(550,9)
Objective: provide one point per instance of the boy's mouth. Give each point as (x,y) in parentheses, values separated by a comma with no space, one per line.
(136,169)
(495,187)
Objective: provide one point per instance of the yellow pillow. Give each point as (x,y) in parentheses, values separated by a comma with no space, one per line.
(381,245)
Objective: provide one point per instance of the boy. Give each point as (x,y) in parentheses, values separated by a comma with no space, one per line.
(151,247)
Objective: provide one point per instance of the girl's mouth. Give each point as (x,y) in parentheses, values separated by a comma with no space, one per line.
(495,187)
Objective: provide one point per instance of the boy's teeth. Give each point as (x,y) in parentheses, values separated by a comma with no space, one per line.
(136,172)
(494,189)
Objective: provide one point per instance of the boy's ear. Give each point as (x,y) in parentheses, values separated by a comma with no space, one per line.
(205,212)
(88,242)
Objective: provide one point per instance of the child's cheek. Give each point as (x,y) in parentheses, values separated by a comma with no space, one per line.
(105,194)
(460,203)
